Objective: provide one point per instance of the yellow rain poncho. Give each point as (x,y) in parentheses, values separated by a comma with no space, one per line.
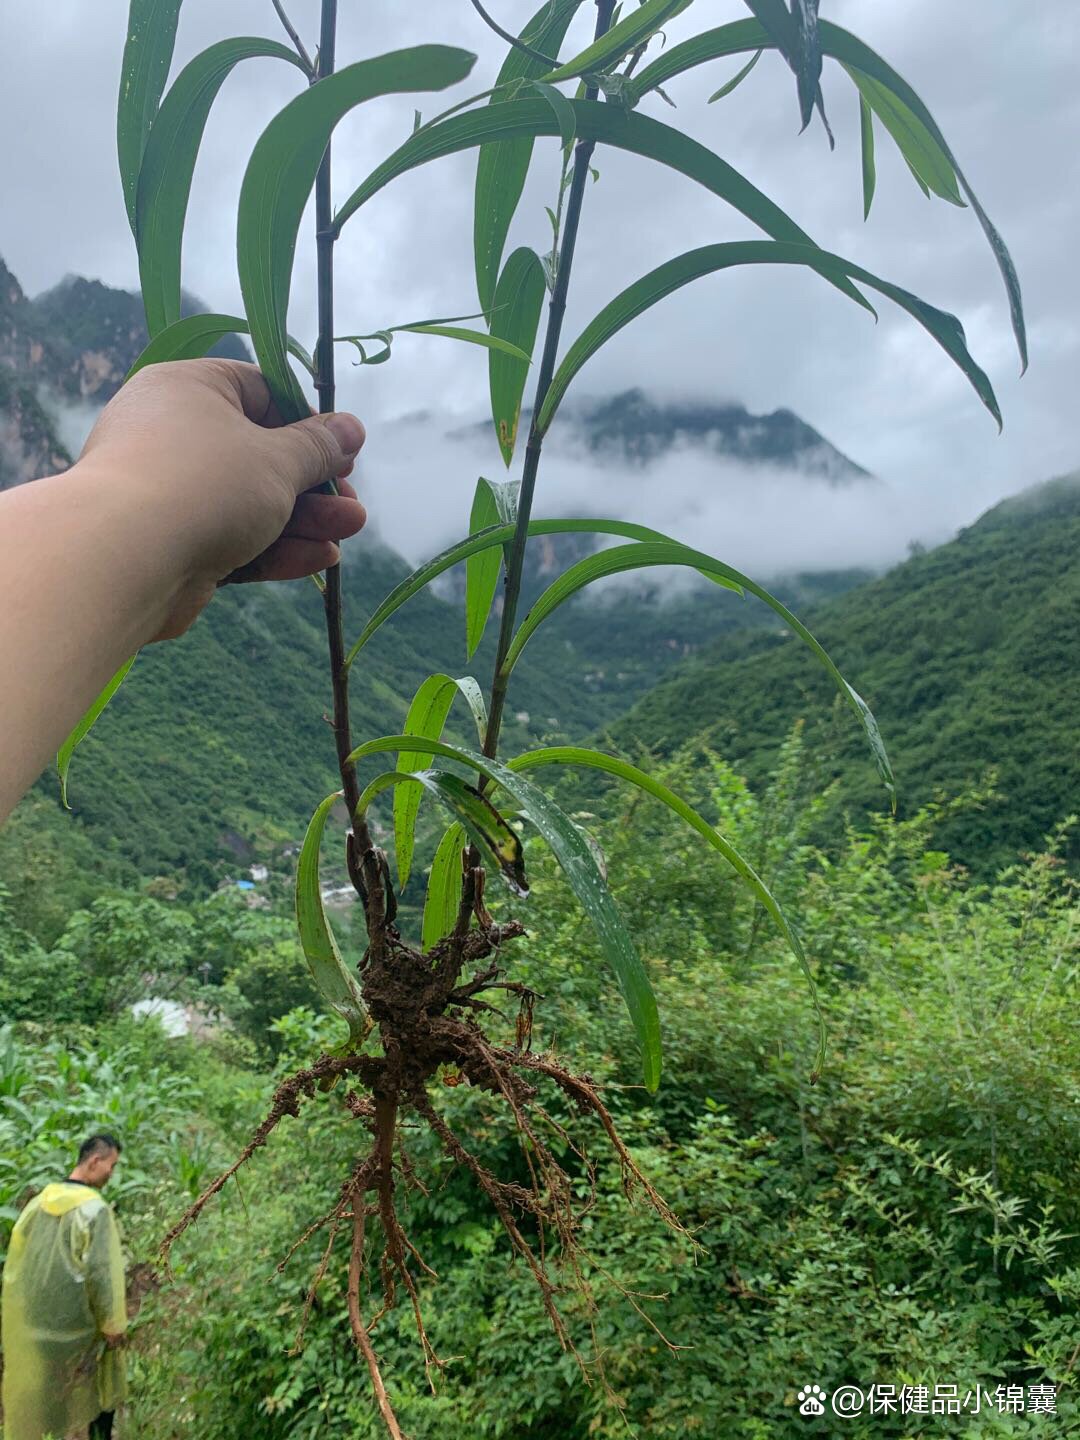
(63,1292)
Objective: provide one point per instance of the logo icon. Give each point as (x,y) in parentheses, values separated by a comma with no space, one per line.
(811,1400)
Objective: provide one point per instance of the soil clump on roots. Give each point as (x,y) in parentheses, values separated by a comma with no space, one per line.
(427,1009)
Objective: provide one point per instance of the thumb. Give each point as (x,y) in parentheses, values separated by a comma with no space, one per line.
(315,450)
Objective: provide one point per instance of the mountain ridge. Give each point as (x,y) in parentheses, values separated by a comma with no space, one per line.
(635,427)
(969,655)
(71,345)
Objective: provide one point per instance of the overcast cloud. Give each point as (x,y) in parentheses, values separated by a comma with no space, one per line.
(999,77)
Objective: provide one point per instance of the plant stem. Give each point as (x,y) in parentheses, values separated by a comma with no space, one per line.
(298,44)
(363,863)
(513,39)
(583,154)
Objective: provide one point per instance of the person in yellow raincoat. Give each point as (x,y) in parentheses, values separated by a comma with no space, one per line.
(64,1315)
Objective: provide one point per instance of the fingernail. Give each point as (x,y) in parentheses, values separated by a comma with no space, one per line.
(347,431)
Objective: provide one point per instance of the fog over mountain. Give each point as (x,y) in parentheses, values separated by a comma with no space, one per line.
(767,493)
(811,509)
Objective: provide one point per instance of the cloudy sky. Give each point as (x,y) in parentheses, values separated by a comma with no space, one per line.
(1000,79)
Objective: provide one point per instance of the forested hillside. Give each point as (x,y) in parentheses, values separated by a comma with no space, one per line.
(912,1216)
(969,656)
(214,752)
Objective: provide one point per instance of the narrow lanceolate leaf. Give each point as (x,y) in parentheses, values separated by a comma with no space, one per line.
(502,166)
(498,843)
(519,301)
(926,159)
(808,58)
(579,866)
(168,164)
(841,45)
(443,888)
(448,332)
(735,38)
(427,717)
(338,987)
(192,337)
(795,34)
(481,570)
(517,356)
(564,111)
(736,80)
(636,557)
(85,725)
(869,169)
(851,51)
(151,35)
(627,35)
(606,123)
(492,538)
(665,279)
(279,179)
(778,20)
(614,765)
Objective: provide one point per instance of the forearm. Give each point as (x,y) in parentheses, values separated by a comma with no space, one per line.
(86,578)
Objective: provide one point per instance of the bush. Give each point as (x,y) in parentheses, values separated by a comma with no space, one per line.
(912,1219)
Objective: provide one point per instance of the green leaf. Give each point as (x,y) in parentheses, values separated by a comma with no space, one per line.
(450,332)
(380,357)
(481,570)
(519,301)
(192,337)
(925,157)
(564,111)
(918,179)
(337,985)
(807,59)
(778,21)
(444,888)
(579,866)
(614,765)
(473,337)
(851,52)
(665,279)
(279,179)
(869,169)
(497,536)
(151,35)
(501,166)
(627,35)
(427,716)
(736,80)
(671,552)
(608,124)
(470,692)
(85,725)
(497,842)
(795,34)
(445,327)
(735,38)
(504,498)
(169,163)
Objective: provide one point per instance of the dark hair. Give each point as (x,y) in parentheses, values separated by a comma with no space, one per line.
(99,1144)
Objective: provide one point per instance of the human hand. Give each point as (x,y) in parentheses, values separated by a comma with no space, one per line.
(198,447)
